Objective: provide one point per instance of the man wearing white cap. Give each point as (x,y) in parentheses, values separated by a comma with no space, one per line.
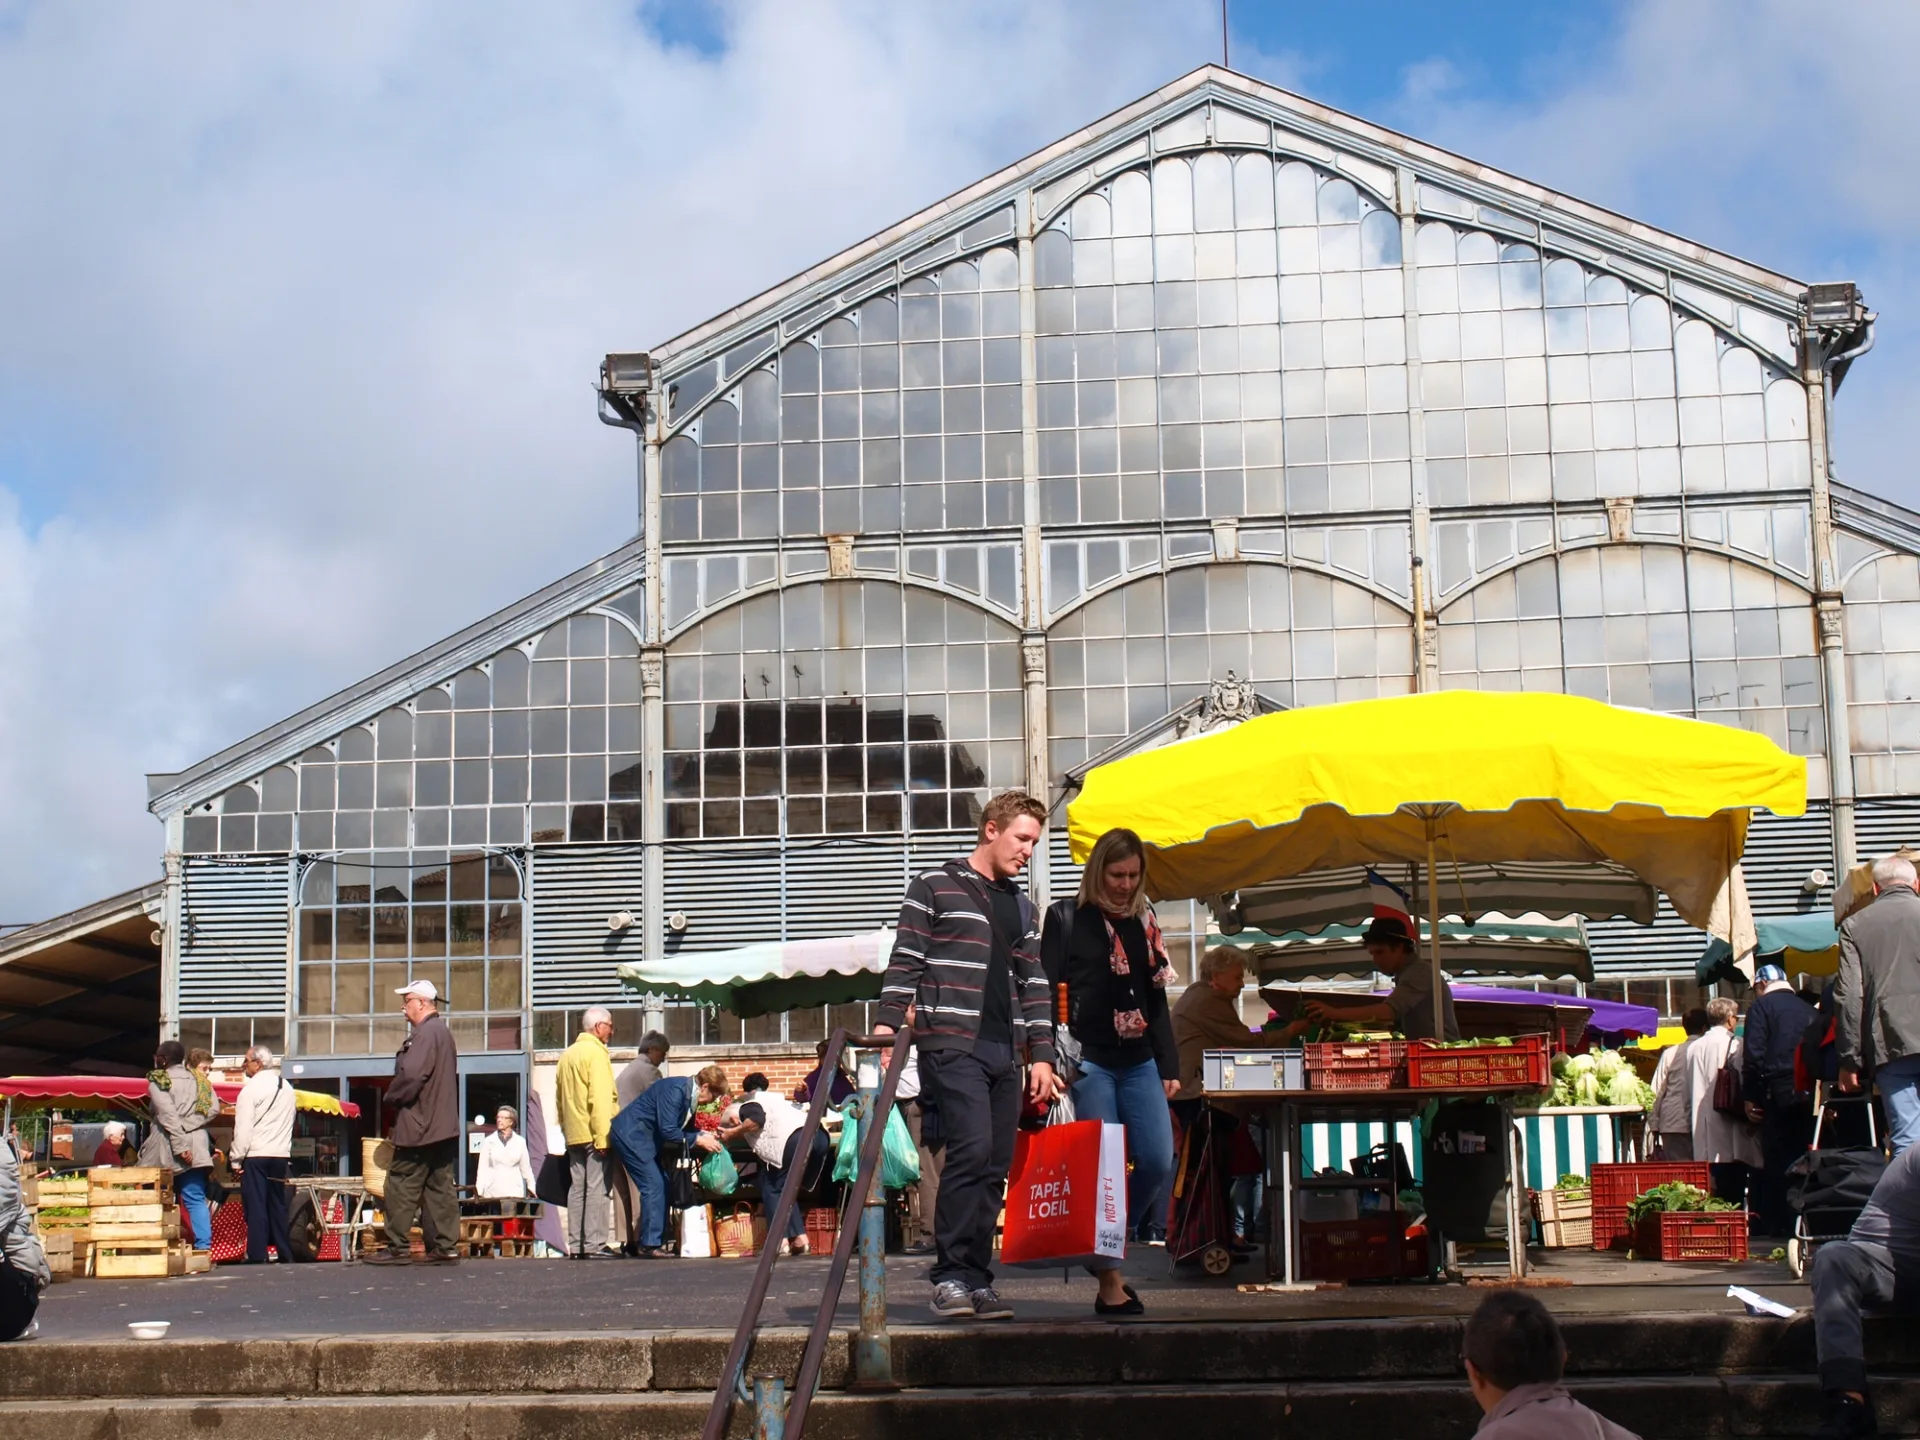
(426,1134)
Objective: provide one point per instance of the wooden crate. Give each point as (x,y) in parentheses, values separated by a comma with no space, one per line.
(129,1185)
(162,1225)
(61,1190)
(142,1261)
(78,1228)
(59,1251)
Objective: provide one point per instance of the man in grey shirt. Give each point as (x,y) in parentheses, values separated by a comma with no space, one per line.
(1877,1267)
(1877,998)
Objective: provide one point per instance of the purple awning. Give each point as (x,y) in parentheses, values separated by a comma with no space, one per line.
(1610,1017)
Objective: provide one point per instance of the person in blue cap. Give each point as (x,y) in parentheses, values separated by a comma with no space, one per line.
(1776,1020)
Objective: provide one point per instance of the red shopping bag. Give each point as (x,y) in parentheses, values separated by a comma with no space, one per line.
(1067,1195)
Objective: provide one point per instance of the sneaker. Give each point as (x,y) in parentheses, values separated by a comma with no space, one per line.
(1843,1418)
(987,1305)
(951,1301)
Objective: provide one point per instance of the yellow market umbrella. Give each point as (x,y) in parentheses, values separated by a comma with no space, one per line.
(1464,775)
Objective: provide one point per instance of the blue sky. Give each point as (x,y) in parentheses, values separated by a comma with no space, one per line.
(299,317)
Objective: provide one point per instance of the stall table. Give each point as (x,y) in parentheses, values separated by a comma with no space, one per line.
(1287,1112)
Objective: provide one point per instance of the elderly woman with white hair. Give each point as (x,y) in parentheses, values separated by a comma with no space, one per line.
(1729,1145)
(506,1169)
(112,1149)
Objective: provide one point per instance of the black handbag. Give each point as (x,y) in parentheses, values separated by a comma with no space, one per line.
(554,1180)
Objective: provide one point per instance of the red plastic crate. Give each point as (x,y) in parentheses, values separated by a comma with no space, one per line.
(1355,1054)
(1622,1184)
(1356,1064)
(1479,1067)
(823,1229)
(1373,1247)
(1617,1186)
(1355,1079)
(1693,1235)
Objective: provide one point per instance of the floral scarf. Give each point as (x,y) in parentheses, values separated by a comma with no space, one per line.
(1132,1024)
(203,1103)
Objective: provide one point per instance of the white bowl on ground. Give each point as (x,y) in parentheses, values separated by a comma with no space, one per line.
(149,1329)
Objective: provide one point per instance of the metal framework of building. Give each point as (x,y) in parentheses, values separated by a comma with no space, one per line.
(1226,389)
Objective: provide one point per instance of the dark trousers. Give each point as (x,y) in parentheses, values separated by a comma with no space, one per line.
(263,1196)
(19,1298)
(1728,1181)
(1849,1279)
(979,1100)
(420,1184)
(1786,1130)
(775,1179)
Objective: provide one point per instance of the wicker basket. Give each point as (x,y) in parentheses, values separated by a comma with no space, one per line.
(375,1156)
(1566,1218)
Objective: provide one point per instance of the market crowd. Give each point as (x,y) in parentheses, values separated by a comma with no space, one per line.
(1013,1011)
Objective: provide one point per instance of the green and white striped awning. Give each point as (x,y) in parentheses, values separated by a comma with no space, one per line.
(1493,945)
(1322,898)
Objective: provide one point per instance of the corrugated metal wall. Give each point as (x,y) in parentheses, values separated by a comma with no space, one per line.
(236,920)
(574,890)
(733,892)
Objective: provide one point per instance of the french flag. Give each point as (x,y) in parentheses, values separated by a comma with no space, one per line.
(1389,900)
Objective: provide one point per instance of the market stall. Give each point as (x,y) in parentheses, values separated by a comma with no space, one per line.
(123,1222)
(1443,782)
(771,976)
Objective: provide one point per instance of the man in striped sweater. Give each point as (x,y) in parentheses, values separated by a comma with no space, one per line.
(966,968)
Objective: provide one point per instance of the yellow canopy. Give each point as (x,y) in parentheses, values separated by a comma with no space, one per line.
(1489,776)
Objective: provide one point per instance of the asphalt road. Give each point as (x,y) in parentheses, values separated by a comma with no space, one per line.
(556,1295)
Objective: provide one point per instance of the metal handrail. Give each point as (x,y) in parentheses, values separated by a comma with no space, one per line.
(810,1361)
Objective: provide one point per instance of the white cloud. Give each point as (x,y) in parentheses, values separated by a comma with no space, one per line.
(299,316)
(1773,132)
(299,310)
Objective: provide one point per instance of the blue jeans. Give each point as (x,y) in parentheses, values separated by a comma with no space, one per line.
(1135,1098)
(191,1187)
(1899,1082)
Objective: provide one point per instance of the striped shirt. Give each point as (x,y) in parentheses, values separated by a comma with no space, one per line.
(941,950)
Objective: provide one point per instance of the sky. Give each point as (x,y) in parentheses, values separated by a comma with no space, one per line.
(300,317)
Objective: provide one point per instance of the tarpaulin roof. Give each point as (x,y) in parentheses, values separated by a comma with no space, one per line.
(772,976)
(76,1091)
(1495,777)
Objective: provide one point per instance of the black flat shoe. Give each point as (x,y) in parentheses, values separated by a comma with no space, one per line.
(1129,1306)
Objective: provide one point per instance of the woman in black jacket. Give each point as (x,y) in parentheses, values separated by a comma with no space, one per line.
(1105,948)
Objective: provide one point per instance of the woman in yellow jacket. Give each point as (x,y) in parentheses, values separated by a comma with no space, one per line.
(583,1089)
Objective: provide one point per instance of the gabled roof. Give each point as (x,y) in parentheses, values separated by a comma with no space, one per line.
(1304,127)
(604,577)
(80,993)
(1881,520)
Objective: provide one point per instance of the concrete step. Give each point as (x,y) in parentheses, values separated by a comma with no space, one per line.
(1672,1408)
(924,1358)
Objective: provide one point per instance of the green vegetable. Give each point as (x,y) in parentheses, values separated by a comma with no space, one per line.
(1608,1064)
(1675,1195)
(1573,1182)
(1561,1063)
